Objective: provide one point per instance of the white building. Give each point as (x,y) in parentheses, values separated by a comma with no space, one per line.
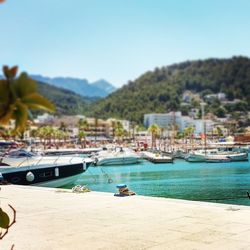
(182,122)
(44,118)
(162,120)
(125,124)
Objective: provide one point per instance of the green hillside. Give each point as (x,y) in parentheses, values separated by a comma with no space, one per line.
(161,90)
(66,101)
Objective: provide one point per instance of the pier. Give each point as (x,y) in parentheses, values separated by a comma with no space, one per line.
(51,219)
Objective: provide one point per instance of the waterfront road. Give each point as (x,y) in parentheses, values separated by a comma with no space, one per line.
(59,219)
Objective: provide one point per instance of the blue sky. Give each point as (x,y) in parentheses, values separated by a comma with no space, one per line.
(118,40)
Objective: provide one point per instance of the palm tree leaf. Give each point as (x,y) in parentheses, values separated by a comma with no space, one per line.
(4,99)
(36,101)
(4,92)
(6,114)
(21,116)
(10,72)
(24,85)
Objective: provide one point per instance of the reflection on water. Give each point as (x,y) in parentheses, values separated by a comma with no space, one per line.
(214,182)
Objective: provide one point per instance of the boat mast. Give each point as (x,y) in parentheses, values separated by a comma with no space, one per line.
(204,127)
(173,131)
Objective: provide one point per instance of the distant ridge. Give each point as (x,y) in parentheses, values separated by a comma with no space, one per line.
(100,88)
(67,102)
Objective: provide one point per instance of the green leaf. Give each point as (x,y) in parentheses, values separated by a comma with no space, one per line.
(4,97)
(6,113)
(36,101)
(10,73)
(24,85)
(21,116)
(4,92)
(4,219)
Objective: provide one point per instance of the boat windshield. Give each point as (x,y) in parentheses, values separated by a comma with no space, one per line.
(20,153)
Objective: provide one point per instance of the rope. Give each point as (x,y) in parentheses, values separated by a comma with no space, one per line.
(107,176)
(92,175)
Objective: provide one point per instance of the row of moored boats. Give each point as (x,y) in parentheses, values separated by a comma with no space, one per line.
(55,168)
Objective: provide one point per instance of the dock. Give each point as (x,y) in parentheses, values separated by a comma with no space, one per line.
(58,219)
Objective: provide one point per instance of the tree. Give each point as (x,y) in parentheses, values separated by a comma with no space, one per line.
(96,124)
(18,95)
(219,132)
(63,126)
(119,131)
(83,125)
(82,135)
(188,132)
(154,130)
(113,126)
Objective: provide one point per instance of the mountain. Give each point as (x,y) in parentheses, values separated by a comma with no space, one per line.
(104,85)
(82,87)
(66,101)
(161,90)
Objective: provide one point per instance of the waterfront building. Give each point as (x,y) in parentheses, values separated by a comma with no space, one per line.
(167,120)
(44,119)
(96,128)
(162,120)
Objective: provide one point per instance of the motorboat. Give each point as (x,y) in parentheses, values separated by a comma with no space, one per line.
(206,155)
(25,168)
(114,157)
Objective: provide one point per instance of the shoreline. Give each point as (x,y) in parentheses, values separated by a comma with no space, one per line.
(49,218)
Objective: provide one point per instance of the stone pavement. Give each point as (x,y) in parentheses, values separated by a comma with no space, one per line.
(57,219)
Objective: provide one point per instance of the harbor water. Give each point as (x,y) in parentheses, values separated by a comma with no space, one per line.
(211,182)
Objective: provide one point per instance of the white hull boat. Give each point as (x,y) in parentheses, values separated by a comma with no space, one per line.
(124,157)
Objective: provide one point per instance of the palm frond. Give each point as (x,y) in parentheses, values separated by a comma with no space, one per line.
(21,116)
(24,85)
(36,101)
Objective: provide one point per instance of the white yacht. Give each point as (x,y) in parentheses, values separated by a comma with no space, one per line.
(117,157)
(24,168)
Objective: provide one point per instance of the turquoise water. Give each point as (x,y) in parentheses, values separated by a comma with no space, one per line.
(212,182)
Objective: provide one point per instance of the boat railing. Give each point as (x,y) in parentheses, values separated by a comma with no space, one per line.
(22,162)
(55,162)
(43,159)
(37,163)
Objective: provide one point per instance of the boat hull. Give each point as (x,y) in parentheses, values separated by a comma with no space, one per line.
(59,182)
(195,158)
(238,157)
(42,175)
(161,160)
(117,161)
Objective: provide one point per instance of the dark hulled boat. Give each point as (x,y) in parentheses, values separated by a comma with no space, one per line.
(53,173)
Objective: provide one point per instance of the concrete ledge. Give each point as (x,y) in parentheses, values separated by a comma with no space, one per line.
(59,219)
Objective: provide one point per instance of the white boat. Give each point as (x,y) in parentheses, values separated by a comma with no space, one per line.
(157,157)
(217,158)
(196,156)
(121,157)
(25,158)
(42,171)
(238,156)
(205,155)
